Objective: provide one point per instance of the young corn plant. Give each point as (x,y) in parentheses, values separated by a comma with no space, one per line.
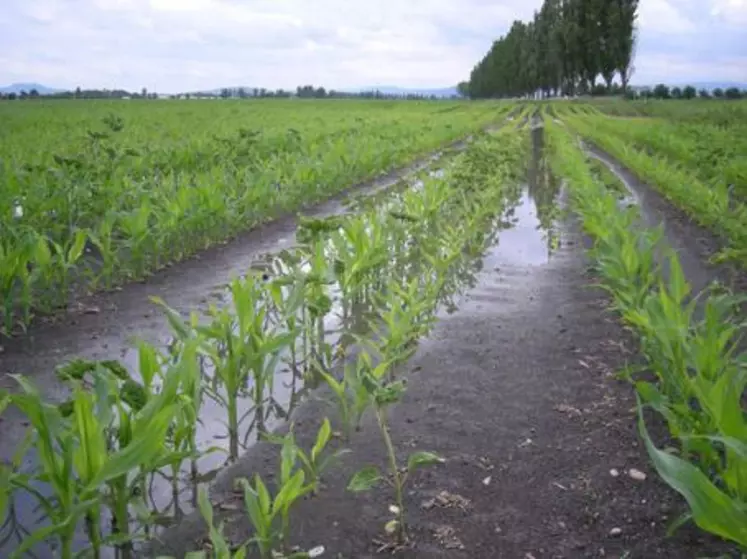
(77,465)
(16,256)
(383,393)
(351,396)
(378,379)
(245,354)
(219,547)
(315,462)
(270,516)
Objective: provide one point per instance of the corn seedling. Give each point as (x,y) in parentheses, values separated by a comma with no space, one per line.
(315,462)
(383,393)
(691,343)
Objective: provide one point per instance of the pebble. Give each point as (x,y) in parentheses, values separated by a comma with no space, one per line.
(616,531)
(637,474)
(614,472)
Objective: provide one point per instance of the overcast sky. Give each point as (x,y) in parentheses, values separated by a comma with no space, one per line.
(177,45)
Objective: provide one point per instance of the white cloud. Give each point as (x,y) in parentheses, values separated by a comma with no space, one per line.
(731,11)
(663,16)
(176,45)
(674,68)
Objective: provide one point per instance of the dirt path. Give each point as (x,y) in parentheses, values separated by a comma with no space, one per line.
(516,390)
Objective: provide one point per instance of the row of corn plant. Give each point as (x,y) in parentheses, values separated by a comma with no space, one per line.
(696,373)
(117,201)
(714,153)
(712,204)
(387,266)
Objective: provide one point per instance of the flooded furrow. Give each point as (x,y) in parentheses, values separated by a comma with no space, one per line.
(173,498)
(520,244)
(653,215)
(201,288)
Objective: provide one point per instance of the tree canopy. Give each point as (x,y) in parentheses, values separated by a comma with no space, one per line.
(564,50)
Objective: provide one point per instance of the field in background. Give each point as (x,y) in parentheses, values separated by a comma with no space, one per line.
(693,152)
(99,192)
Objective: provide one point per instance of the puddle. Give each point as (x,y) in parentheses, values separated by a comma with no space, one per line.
(172,499)
(523,237)
(532,237)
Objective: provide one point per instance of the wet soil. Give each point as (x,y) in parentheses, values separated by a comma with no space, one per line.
(516,389)
(106,325)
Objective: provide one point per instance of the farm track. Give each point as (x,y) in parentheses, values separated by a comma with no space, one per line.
(516,389)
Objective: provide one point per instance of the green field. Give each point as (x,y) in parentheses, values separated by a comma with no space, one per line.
(142,185)
(96,194)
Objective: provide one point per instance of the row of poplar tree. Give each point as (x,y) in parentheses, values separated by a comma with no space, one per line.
(568,46)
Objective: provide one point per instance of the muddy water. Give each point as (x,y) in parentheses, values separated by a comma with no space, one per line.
(523,245)
(527,239)
(110,325)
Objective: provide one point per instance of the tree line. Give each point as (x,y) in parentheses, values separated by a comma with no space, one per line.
(564,50)
(305,92)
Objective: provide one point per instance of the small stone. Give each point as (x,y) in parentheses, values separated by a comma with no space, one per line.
(487,481)
(317,551)
(616,531)
(614,472)
(637,474)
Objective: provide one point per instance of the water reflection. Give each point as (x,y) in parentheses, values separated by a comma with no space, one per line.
(525,226)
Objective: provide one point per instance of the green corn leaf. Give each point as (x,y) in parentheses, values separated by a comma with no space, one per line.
(322,438)
(422,459)
(291,491)
(337,387)
(203,503)
(253,507)
(365,479)
(712,510)
(141,450)
(176,322)
(79,243)
(265,503)
(5,491)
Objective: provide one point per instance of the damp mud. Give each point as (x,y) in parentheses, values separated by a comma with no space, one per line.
(107,327)
(516,389)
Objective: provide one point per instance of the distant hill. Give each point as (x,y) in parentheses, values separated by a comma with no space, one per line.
(27,87)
